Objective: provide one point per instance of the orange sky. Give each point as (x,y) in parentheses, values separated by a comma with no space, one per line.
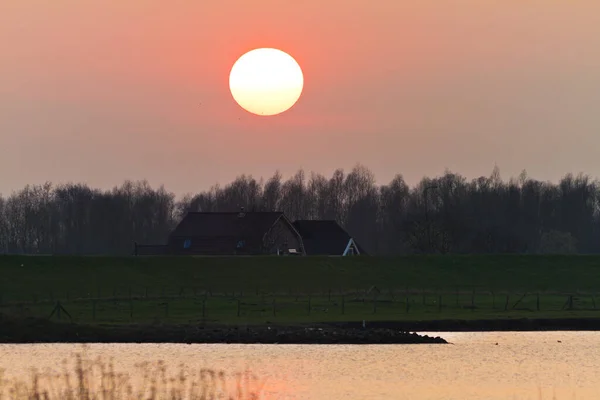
(102,91)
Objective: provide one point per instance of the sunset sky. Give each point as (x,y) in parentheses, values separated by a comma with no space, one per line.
(103,91)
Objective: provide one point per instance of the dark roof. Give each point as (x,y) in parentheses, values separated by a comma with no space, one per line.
(324,237)
(226,224)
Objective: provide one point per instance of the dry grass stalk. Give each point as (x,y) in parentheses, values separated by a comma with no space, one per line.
(97,380)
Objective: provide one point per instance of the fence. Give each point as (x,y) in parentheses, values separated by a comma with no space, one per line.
(121,305)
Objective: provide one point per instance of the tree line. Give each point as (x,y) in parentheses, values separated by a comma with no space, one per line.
(445,214)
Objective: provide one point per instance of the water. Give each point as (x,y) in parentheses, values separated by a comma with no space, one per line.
(522,366)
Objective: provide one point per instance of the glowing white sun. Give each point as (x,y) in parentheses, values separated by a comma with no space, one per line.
(266,81)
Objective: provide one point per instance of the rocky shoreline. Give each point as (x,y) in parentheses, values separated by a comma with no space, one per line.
(43,331)
(31,330)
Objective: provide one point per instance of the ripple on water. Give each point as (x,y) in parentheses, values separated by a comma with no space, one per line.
(526,365)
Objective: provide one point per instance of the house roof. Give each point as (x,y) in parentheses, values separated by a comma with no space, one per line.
(237,225)
(324,237)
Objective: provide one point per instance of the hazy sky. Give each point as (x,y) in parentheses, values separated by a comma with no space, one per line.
(107,90)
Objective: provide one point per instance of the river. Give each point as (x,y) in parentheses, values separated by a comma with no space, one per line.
(498,365)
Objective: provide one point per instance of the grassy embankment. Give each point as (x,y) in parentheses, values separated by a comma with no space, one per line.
(291,290)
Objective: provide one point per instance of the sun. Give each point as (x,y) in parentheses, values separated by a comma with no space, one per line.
(266,81)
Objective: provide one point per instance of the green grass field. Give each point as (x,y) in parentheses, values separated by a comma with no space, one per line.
(248,290)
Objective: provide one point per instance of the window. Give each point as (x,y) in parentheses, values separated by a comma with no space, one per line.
(187,243)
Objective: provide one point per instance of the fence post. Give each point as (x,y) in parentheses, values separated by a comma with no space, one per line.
(570,302)
(506,304)
(58,310)
(594,300)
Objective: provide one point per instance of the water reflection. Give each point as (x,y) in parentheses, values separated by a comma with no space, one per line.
(548,365)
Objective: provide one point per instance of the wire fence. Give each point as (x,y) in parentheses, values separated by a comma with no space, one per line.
(181,304)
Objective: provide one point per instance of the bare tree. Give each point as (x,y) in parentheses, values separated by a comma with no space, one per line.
(484,215)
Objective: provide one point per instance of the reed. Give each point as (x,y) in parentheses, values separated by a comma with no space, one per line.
(86,379)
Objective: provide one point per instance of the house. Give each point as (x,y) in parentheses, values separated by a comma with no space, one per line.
(235,233)
(253,233)
(324,237)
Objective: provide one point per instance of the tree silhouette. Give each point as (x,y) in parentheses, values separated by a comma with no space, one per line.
(444,214)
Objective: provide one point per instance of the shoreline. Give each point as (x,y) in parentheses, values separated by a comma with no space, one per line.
(32,330)
(483,325)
